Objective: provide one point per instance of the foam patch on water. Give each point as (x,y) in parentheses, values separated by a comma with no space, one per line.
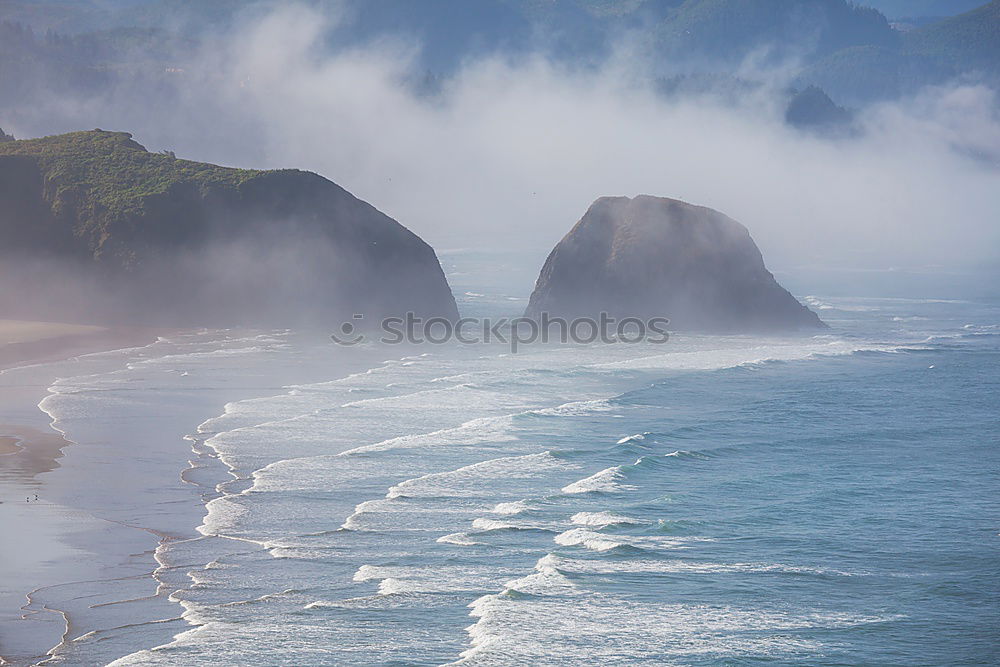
(596,541)
(622,631)
(475,480)
(475,431)
(576,409)
(459,540)
(718,359)
(609,480)
(588,539)
(484,525)
(551,616)
(516,507)
(676,566)
(396,579)
(223,517)
(637,437)
(602,519)
(424,398)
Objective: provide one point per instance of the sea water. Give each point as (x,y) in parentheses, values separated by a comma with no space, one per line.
(824,499)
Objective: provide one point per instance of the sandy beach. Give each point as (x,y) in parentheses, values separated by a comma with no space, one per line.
(28,342)
(38,533)
(86,516)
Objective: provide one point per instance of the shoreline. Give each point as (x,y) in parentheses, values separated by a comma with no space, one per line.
(107,510)
(38,529)
(41,529)
(27,342)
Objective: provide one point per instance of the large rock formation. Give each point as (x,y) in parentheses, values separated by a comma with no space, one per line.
(94,226)
(656,257)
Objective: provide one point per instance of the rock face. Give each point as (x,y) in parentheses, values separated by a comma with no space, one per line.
(656,257)
(92,225)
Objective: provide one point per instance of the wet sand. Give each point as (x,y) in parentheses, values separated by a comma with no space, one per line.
(33,531)
(8,445)
(38,533)
(24,342)
(26,452)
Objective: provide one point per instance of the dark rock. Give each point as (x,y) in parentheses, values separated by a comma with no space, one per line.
(656,257)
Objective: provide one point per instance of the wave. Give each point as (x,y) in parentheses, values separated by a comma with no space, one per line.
(484,429)
(483,525)
(222,517)
(676,566)
(516,507)
(575,409)
(473,480)
(596,541)
(527,623)
(429,398)
(608,480)
(723,358)
(588,539)
(602,519)
(459,540)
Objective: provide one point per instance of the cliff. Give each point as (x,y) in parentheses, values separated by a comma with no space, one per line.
(93,222)
(656,257)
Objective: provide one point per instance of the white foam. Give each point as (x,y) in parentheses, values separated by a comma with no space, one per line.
(451,578)
(425,398)
(222,517)
(601,519)
(459,539)
(474,480)
(475,431)
(676,566)
(625,630)
(576,408)
(484,525)
(596,541)
(621,630)
(516,507)
(720,358)
(588,539)
(608,480)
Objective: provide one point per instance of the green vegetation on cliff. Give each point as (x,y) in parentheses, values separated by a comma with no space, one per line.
(113,173)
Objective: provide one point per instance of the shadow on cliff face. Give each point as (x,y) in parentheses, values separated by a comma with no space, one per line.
(282,278)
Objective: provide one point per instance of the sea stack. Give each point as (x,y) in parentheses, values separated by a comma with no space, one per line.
(657,257)
(96,228)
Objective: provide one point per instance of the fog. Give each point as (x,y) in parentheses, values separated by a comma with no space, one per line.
(510,151)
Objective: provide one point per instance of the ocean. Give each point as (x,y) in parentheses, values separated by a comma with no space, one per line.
(827,499)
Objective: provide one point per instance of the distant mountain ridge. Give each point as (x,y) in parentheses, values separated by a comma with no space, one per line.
(897,9)
(850,50)
(967,44)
